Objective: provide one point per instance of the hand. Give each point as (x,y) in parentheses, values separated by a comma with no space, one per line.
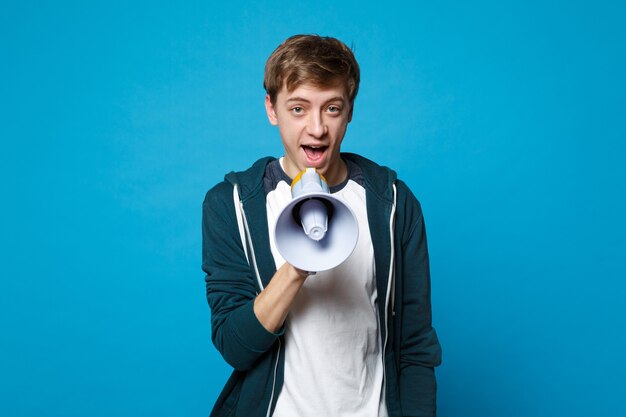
(272,305)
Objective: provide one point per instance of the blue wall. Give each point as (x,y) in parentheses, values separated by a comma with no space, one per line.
(507,119)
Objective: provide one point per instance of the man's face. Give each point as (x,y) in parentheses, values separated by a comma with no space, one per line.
(312,122)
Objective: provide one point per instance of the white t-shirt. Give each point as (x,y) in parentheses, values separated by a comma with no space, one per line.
(333,349)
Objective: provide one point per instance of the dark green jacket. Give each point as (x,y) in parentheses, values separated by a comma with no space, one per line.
(234,277)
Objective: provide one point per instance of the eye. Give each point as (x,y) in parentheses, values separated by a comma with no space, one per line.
(297,110)
(334,109)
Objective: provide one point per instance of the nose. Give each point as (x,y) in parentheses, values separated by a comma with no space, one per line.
(316,126)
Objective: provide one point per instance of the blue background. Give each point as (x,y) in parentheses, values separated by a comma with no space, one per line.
(507,119)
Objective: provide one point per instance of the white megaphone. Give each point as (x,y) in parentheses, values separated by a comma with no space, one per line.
(315,231)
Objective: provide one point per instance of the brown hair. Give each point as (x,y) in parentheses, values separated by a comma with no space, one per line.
(311,59)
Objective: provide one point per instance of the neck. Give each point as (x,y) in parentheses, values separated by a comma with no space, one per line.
(334,175)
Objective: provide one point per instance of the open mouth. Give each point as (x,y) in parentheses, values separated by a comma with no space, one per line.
(314,153)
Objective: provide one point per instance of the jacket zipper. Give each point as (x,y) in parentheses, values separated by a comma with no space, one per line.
(391,286)
(252,260)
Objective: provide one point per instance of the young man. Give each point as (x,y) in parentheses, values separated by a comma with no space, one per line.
(355,340)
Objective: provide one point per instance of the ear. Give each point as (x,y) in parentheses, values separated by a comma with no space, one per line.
(350,114)
(271,113)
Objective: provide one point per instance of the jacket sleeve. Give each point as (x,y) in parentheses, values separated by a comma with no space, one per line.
(420,351)
(230,284)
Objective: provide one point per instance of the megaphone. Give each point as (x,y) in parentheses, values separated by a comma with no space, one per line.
(315,231)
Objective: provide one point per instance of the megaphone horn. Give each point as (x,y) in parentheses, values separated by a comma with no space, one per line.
(315,231)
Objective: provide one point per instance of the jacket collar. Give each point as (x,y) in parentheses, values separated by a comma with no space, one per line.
(250,181)
(377,178)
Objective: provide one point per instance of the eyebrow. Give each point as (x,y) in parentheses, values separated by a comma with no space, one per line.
(302,99)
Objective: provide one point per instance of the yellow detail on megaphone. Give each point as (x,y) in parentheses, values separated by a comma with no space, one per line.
(298,177)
